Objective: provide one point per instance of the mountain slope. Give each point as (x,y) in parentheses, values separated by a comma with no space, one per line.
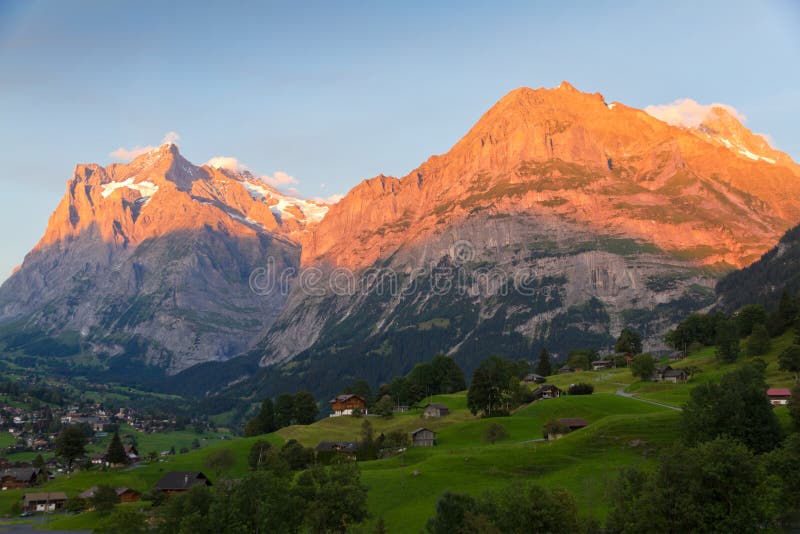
(614,217)
(151,261)
(764,281)
(560,151)
(557,220)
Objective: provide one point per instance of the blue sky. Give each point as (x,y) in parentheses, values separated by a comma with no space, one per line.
(331,93)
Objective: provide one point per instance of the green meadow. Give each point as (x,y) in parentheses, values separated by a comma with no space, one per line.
(403,490)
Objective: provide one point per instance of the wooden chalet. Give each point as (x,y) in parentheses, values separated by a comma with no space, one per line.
(547,391)
(123,494)
(44,502)
(533,378)
(675,376)
(779,396)
(435,409)
(176,482)
(665,373)
(568,424)
(346,404)
(599,365)
(676,356)
(132,453)
(19,477)
(422,437)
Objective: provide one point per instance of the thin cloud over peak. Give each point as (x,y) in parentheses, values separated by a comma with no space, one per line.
(226,162)
(688,112)
(128,154)
(331,199)
(170,137)
(278,180)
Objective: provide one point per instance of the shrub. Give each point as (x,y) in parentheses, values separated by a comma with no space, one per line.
(495,432)
(581,388)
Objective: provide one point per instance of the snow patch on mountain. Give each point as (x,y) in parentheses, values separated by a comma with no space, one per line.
(312,211)
(145,188)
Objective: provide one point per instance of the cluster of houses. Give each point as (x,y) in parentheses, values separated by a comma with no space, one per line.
(131,455)
(349,404)
(610,361)
(172,483)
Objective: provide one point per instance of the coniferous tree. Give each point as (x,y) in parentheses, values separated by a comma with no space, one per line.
(727,341)
(794,408)
(543,365)
(115,454)
(629,342)
(284,410)
(758,342)
(789,360)
(305,408)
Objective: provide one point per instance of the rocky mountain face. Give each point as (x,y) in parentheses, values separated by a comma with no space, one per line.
(557,220)
(616,217)
(151,261)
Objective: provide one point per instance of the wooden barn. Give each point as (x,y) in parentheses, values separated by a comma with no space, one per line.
(176,482)
(422,437)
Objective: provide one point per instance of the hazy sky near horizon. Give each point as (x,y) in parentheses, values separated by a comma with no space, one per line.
(330,93)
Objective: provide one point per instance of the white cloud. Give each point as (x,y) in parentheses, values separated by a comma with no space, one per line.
(226,162)
(127,154)
(279,179)
(687,112)
(170,138)
(768,138)
(332,199)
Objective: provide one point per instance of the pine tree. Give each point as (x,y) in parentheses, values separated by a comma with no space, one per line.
(115,455)
(727,341)
(543,366)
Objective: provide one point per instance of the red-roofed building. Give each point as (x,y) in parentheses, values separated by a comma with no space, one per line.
(779,396)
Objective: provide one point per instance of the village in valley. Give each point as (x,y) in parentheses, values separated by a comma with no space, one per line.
(540,403)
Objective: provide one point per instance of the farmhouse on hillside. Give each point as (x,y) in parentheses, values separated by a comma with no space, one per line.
(422,437)
(176,482)
(123,494)
(599,365)
(132,453)
(565,369)
(676,356)
(347,404)
(19,477)
(44,502)
(675,376)
(435,409)
(779,396)
(547,391)
(533,378)
(561,427)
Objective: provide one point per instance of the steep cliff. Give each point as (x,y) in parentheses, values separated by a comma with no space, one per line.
(615,217)
(150,261)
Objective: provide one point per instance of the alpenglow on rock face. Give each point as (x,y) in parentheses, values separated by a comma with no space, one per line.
(623,218)
(151,260)
(617,217)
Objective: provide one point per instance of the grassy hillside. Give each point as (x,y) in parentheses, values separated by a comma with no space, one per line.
(403,490)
